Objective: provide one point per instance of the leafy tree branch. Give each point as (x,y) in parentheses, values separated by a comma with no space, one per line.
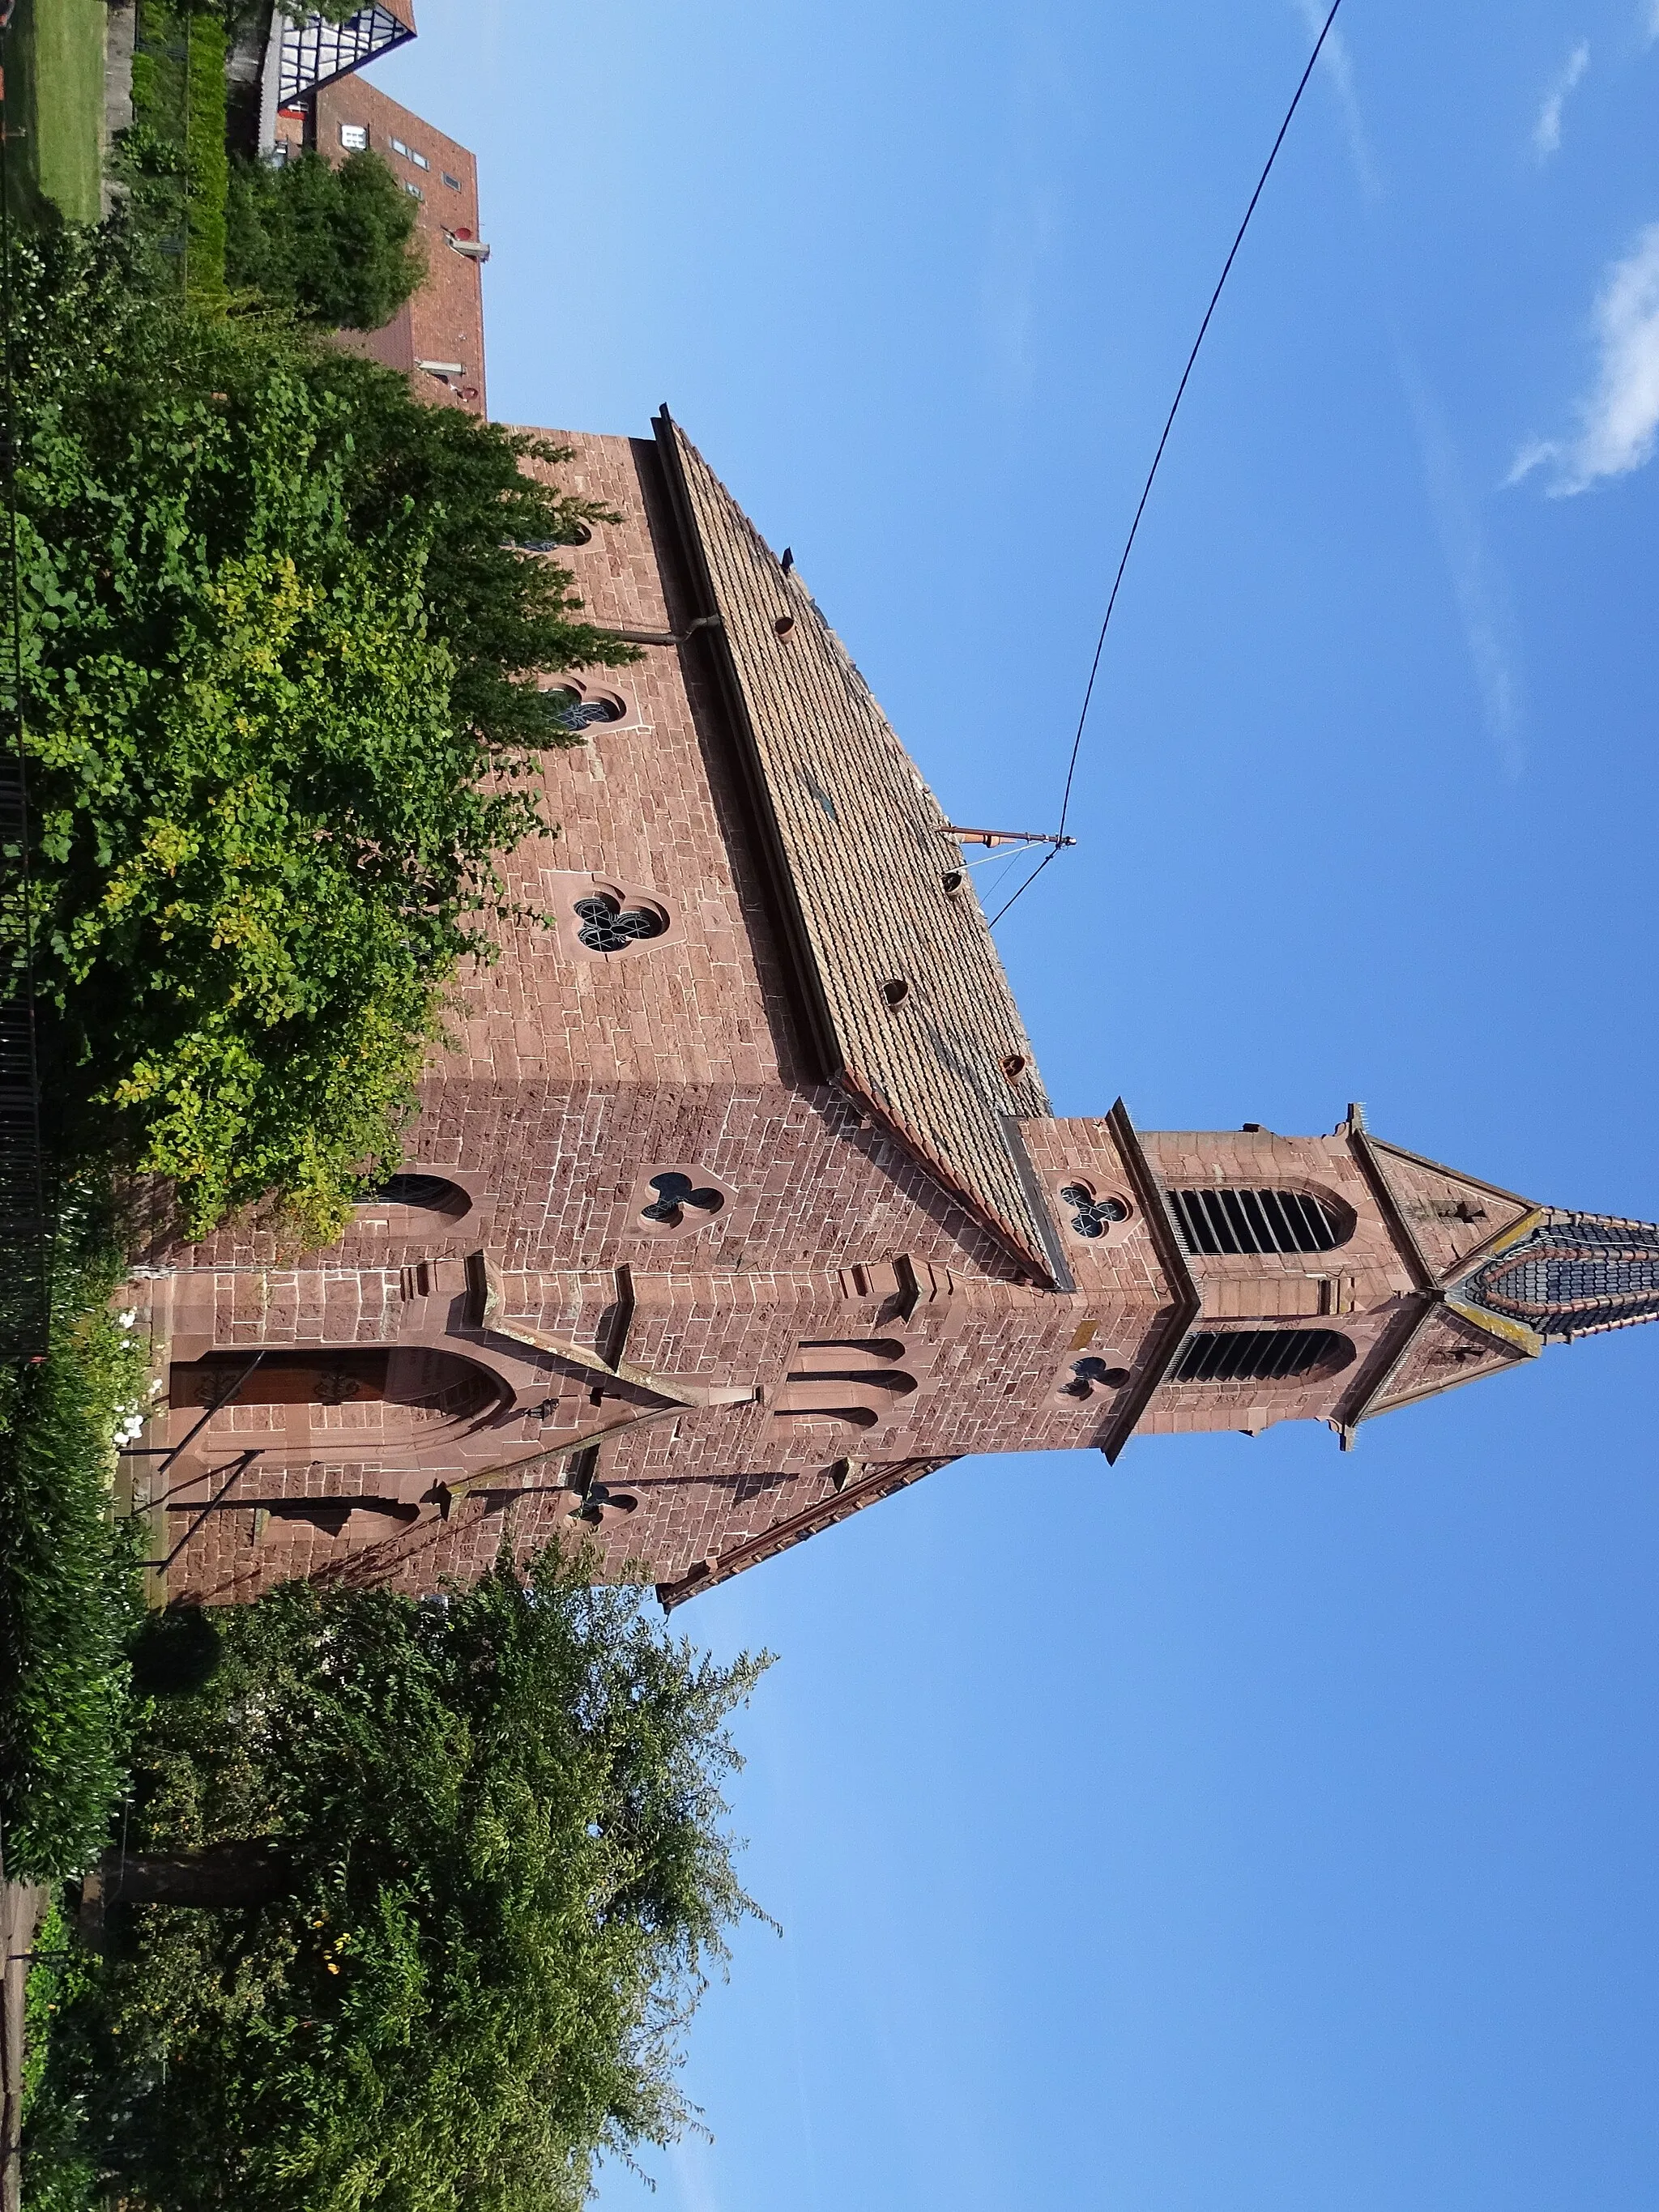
(281,653)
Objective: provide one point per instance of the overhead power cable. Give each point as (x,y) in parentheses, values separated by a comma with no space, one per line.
(1055,850)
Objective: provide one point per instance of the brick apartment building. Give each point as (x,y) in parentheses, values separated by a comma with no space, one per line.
(314,98)
(739,1204)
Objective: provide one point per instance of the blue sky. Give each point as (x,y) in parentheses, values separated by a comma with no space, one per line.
(1248,1826)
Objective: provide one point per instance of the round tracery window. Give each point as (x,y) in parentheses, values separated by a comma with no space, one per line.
(678,1199)
(571,711)
(1092,1217)
(1093,1374)
(608,926)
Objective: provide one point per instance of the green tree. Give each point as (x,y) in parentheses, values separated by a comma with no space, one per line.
(280,651)
(447,1875)
(333,243)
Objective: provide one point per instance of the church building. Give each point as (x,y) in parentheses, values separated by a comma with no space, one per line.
(739,1204)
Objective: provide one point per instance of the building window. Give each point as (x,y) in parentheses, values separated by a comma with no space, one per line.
(414,192)
(1260,1355)
(353,136)
(572,712)
(578,533)
(430,1387)
(1091,1215)
(679,1203)
(1213,1221)
(1090,1375)
(607,925)
(425,1194)
(409,153)
(454,183)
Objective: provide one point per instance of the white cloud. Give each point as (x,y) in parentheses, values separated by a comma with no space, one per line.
(692,2169)
(1025,225)
(1478,588)
(1477,584)
(1334,55)
(1546,131)
(1619,420)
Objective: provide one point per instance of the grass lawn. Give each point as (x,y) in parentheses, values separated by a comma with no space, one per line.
(54,63)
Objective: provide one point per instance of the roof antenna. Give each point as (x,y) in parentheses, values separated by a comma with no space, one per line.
(993,838)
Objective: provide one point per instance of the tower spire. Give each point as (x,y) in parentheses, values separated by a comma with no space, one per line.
(1571,1274)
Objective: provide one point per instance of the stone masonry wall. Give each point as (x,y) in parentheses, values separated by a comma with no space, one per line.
(726,1381)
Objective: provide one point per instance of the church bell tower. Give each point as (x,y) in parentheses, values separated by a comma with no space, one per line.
(737,1202)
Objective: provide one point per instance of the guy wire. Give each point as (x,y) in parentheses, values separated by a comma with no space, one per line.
(1147,488)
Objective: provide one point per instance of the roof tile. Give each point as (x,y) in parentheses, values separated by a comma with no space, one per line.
(865,849)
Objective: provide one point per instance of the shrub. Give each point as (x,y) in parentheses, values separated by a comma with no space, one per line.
(69,1593)
(207,166)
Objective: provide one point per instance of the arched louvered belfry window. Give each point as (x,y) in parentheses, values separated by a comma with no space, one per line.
(1214,1221)
(433,1193)
(1260,1355)
(434,1198)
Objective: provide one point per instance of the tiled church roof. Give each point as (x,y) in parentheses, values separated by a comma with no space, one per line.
(864,861)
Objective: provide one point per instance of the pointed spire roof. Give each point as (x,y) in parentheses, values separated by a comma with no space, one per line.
(1498,1279)
(1563,1275)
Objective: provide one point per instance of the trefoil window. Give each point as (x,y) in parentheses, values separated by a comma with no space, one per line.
(571,711)
(675,1193)
(607,925)
(1090,1375)
(1091,1215)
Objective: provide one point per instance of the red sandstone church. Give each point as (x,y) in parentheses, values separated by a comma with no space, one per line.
(740,1205)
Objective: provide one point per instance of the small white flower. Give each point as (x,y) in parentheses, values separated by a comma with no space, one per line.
(129,1318)
(155,1390)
